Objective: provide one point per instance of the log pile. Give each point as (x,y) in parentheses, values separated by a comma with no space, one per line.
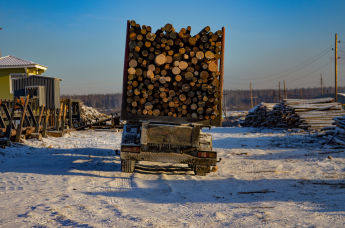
(90,115)
(311,114)
(260,116)
(338,134)
(234,119)
(172,73)
(315,114)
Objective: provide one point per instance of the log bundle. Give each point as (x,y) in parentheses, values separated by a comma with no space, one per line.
(172,73)
(260,116)
(339,131)
(310,114)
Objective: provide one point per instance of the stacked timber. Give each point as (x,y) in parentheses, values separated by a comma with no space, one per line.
(91,115)
(172,73)
(234,118)
(309,114)
(339,131)
(314,114)
(259,116)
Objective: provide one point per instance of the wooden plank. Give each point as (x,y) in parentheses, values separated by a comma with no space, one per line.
(7,113)
(63,118)
(59,117)
(10,122)
(2,123)
(22,119)
(45,126)
(70,112)
(32,116)
(125,76)
(38,124)
(221,79)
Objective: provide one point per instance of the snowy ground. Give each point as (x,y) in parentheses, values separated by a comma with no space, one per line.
(265,179)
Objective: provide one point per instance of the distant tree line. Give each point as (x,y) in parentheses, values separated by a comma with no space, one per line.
(107,103)
(233,99)
(240,99)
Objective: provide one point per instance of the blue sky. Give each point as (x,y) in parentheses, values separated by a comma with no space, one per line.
(83,41)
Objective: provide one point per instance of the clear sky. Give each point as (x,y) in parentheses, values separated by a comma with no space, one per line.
(267,41)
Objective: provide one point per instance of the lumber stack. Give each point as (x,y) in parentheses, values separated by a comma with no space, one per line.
(339,131)
(315,114)
(172,73)
(91,115)
(311,114)
(260,115)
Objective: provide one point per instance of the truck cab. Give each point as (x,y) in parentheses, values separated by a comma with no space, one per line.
(167,142)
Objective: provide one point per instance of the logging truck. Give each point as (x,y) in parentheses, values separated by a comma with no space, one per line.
(172,88)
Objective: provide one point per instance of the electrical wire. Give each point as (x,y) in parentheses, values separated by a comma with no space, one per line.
(295,68)
(314,71)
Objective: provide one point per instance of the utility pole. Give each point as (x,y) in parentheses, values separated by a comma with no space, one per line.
(321,85)
(279,91)
(285,94)
(336,67)
(251,95)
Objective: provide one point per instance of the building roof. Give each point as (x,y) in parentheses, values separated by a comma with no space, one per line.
(8,62)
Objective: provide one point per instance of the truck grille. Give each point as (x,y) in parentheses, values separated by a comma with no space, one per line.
(163,147)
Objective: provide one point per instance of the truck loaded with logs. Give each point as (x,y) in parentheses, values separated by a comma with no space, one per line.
(172,88)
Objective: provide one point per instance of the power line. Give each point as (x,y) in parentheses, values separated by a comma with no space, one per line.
(295,68)
(314,71)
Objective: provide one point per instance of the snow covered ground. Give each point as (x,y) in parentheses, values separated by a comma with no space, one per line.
(267,178)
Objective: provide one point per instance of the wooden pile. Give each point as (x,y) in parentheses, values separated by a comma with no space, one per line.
(315,114)
(338,134)
(91,115)
(259,116)
(173,73)
(311,114)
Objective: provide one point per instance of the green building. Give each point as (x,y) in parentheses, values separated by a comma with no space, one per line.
(12,67)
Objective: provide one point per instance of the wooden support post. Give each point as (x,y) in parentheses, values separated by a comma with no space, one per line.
(10,121)
(38,125)
(45,126)
(22,118)
(7,113)
(59,117)
(63,118)
(32,116)
(221,77)
(285,92)
(301,93)
(2,123)
(70,114)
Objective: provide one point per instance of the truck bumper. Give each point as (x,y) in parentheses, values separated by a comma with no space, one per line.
(168,157)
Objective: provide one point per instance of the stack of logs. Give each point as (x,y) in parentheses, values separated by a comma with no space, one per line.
(173,73)
(260,116)
(91,115)
(339,131)
(312,114)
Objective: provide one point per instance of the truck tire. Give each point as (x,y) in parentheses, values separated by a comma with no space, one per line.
(201,170)
(127,166)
